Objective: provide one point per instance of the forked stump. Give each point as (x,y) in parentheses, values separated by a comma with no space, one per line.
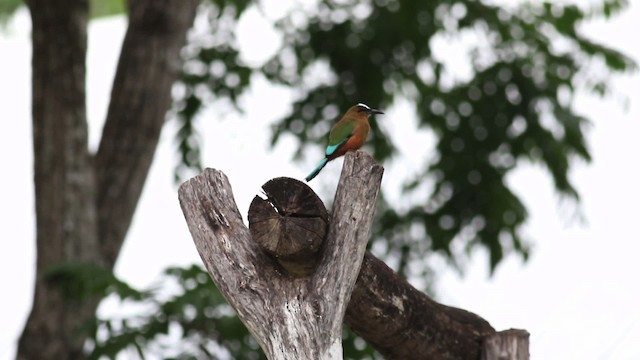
(282,283)
(291,318)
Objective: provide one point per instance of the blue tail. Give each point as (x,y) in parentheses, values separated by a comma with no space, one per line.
(316,171)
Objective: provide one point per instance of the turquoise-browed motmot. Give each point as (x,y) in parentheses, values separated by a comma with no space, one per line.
(347,134)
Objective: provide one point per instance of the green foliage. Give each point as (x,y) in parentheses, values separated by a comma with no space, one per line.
(355,348)
(82,281)
(183,317)
(526,64)
(187,305)
(7,9)
(514,104)
(103,8)
(212,70)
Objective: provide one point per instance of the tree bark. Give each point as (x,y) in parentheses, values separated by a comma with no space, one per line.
(510,344)
(401,322)
(65,189)
(292,318)
(84,205)
(149,65)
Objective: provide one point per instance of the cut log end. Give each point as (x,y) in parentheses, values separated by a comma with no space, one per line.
(289,225)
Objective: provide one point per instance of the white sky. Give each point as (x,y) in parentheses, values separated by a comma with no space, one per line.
(578,295)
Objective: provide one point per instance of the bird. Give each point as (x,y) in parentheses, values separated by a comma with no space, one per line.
(347,134)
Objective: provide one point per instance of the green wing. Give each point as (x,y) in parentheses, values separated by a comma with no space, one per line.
(339,134)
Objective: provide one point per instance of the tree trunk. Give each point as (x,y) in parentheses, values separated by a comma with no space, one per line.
(83,210)
(292,318)
(65,185)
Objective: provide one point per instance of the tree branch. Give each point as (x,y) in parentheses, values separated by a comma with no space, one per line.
(148,67)
(400,321)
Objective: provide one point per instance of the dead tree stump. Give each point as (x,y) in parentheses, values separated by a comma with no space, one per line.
(291,288)
(291,318)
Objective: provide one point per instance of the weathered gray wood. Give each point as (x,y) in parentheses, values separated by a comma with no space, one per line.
(291,318)
(395,318)
(510,344)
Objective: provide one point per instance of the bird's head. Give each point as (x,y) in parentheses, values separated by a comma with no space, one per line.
(362,108)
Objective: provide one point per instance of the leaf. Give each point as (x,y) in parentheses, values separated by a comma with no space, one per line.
(104,8)
(7,9)
(80,281)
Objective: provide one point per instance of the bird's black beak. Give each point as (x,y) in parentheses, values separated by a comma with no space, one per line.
(375,111)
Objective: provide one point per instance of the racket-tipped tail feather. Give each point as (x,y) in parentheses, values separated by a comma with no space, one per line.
(316,171)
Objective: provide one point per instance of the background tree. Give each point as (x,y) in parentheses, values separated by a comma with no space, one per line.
(85,201)
(513,102)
